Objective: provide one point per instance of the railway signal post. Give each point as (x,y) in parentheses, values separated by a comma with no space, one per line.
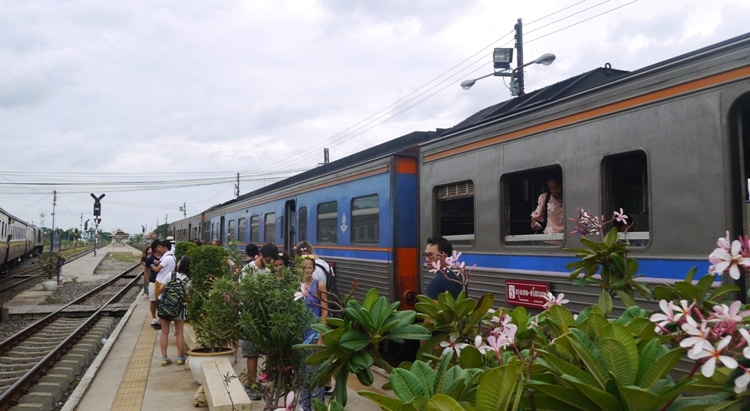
(97,219)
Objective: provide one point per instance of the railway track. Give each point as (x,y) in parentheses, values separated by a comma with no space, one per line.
(23,279)
(39,364)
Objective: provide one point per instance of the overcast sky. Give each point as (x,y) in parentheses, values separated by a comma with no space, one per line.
(190,93)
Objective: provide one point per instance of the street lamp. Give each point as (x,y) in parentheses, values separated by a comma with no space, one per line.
(516,90)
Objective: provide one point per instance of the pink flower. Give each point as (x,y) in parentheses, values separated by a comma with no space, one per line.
(552,300)
(302,293)
(730,260)
(620,217)
(730,314)
(714,355)
(724,242)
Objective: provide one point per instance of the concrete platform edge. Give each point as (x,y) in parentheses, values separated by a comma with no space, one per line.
(82,386)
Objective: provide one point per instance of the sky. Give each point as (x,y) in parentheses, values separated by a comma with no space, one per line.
(161,104)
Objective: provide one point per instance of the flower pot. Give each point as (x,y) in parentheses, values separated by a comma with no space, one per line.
(198,355)
(49,285)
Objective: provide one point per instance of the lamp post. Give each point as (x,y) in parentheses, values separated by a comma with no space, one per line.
(502,57)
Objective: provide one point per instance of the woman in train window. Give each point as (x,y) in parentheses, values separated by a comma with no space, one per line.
(549,214)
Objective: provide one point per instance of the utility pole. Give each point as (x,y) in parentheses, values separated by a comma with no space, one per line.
(184,210)
(237,187)
(519,56)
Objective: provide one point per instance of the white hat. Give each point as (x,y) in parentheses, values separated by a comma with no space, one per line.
(170,238)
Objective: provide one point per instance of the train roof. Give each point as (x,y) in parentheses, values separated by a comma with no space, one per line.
(590,81)
(399,145)
(16,218)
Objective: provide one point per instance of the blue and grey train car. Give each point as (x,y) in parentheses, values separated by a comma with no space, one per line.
(187,229)
(669,144)
(359,212)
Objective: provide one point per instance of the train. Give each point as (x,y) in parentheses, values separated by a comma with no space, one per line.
(669,144)
(20,240)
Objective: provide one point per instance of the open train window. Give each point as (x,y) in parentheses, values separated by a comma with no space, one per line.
(327,216)
(269,232)
(525,192)
(231,235)
(241,227)
(455,212)
(255,229)
(303,224)
(365,219)
(626,186)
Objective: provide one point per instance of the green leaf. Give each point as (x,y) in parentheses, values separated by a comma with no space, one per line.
(566,395)
(603,399)
(354,340)
(605,301)
(386,403)
(586,352)
(615,358)
(499,387)
(721,291)
(370,298)
(562,367)
(442,402)
(485,303)
(660,367)
(426,376)
(626,298)
(470,357)
(406,385)
(409,332)
(636,398)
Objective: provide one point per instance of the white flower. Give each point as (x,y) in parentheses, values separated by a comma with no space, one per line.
(731,313)
(478,344)
(620,217)
(552,300)
(714,354)
(724,260)
(672,314)
(746,336)
(698,340)
(740,384)
(452,345)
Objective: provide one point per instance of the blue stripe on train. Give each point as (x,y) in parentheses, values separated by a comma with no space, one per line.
(672,269)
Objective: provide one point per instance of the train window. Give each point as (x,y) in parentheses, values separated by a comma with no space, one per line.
(626,187)
(365,219)
(241,227)
(255,229)
(522,193)
(327,216)
(231,235)
(269,232)
(455,212)
(303,224)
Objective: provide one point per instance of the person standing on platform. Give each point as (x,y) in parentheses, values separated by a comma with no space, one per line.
(304,249)
(163,268)
(154,258)
(144,258)
(315,301)
(437,249)
(183,274)
(262,263)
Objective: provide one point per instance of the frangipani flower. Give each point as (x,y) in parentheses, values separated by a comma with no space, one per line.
(740,384)
(699,337)
(724,260)
(714,355)
(302,293)
(452,345)
(620,216)
(552,300)
(671,314)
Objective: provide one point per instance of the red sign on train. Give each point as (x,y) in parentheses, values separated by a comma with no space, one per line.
(526,293)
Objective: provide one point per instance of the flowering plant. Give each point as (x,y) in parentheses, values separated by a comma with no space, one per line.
(559,360)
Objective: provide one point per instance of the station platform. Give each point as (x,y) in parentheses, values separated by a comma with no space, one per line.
(127,373)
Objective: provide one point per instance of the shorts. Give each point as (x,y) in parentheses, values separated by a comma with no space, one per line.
(249,350)
(152,292)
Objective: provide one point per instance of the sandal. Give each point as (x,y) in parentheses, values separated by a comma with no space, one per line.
(180,360)
(165,361)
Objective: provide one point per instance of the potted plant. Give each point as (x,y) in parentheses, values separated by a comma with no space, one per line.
(50,263)
(214,326)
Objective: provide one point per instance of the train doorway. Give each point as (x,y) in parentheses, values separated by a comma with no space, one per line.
(289,226)
(740,210)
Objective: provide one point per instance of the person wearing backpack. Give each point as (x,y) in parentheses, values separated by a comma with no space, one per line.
(171,307)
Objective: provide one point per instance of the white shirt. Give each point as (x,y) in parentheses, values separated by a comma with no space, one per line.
(168,263)
(319,274)
(252,268)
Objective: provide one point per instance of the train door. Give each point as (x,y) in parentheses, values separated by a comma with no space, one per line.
(221,234)
(740,130)
(289,225)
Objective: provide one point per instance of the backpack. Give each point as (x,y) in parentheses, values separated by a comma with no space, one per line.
(334,303)
(171,300)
